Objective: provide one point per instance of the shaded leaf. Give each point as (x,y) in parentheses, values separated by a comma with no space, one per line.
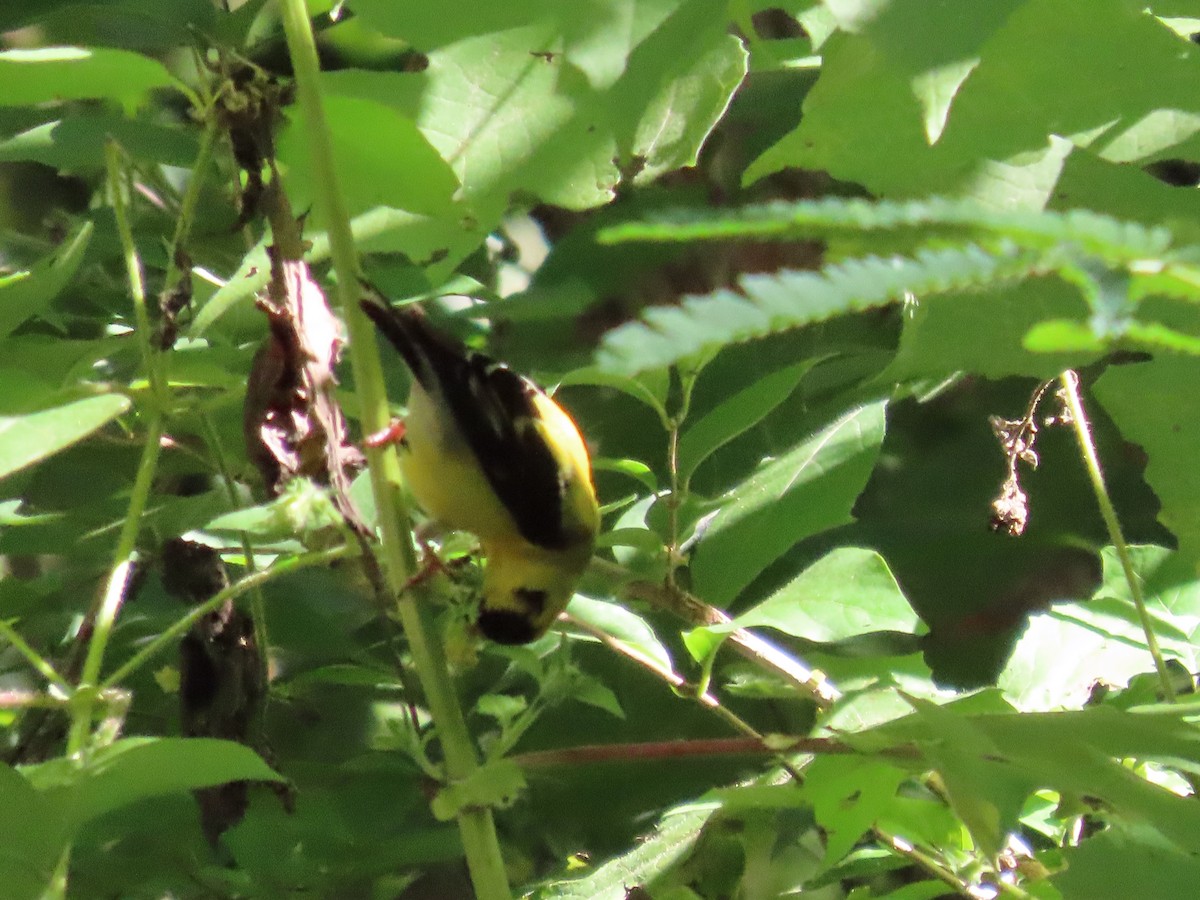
(807,490)
(30,438)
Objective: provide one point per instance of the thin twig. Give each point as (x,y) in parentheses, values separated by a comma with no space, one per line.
(683,688)
(746,643)
(1083,433)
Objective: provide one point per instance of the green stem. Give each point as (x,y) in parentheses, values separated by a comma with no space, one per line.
(1070,389)
(258,606)
(35,659)
(83,711)
(476,826)
(250,583)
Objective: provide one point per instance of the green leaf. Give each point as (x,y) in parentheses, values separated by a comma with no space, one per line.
(1076,754)
(303,508)
(987,791)
(513,116)
(598,43)
(847,593)
(496,783)
(767,304)
(646,388)
(1169,433)
(368,168)
(33,833)
(735,415)
(58,74)
(31,438)
(77,143)
(1017,49)
(809,489)
(848,796)
(134,769)
(654,856)
(635,469)
(988,333)
(617,621)
(1126,860)
(1096,234)
(28,293)
(594,692)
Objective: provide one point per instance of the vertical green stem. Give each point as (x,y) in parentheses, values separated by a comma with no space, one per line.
(1083,433)
(83,707)
(110,604)
(476,826)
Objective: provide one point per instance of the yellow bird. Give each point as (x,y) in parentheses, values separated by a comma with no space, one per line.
(485,450)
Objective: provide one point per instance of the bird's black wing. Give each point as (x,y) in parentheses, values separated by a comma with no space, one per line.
(494,410)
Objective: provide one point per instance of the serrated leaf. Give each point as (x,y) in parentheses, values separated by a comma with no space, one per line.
(1099,235)
(766,304)
(654,856)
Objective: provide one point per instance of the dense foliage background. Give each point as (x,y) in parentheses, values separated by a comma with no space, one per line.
(880,319)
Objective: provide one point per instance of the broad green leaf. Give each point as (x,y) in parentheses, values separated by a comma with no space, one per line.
(1065,653)
(632,468)
(1077,754)
(30,438)
(653,857)
(1169,583)
(32,292)
(597,42)
(905,58)
(986,790)
(1126,860)
(645,389)
(805,491)
(847,593)
(1169,433)
(617,621)
(848,796)
(33,833)
(985,333)
(134,769)
(513,117)
(58,74)
(77,143)
(397,167)
(737,414)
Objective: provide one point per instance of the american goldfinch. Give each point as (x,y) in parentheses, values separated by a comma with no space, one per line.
(485,450)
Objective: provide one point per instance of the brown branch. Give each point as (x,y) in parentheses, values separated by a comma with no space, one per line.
(650,751)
